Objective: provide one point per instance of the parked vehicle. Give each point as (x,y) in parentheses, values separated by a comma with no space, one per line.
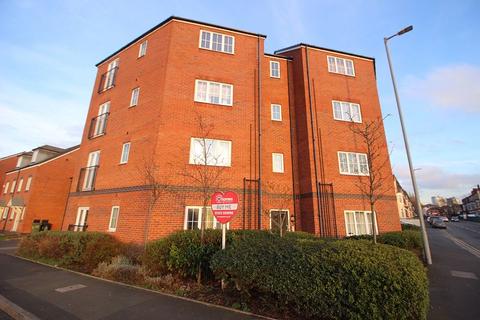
(444,219)
(454,219)
(438,222)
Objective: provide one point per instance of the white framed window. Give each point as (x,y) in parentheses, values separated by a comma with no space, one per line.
(213,92)
(217,42)
(110,76)
(346,111)
(112,225)
(5,190)
(101,120)
(276,112)
(193,219)
(359,223)
(82,218)
(279,220)
(340,65)
(125,153)
(134,97)
(20,184)
(142,50)
(277,162)
(14,183)
(5,213)
(19,162)
(352,163)
(29,183)
(274,69)
(210,152)
(35,155)
(23,213)
(12,213)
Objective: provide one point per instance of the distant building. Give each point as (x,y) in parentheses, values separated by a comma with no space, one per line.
(406,207)
(37,188)
(452,201)
(471,203)
(439,201)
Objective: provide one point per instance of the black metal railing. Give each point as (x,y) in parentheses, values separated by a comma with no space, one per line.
(98,125)
(107,80)
(86,180)
(77,227)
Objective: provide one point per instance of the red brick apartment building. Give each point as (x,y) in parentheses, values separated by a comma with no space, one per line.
(269,122)
(37,188)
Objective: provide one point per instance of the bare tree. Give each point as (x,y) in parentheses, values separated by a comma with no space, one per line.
(375,183)
(280,196)
(205,169)
(149,171)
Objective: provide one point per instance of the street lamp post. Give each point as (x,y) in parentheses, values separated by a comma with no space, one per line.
(427,253)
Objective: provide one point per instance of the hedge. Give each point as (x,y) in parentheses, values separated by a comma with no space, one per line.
(328,279)
(81,251)
(181,253)
(408,239)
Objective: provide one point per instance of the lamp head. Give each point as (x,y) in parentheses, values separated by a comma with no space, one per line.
(407,29)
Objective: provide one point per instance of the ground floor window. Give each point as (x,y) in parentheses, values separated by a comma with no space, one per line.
(279,221)
(5,213)
(358,223)
(112,226)
(193,218)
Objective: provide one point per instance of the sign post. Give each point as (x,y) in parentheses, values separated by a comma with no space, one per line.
(224,207)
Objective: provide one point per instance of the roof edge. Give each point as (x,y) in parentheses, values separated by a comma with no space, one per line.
(321,48)
(164,22)
(66,150)
(277,56)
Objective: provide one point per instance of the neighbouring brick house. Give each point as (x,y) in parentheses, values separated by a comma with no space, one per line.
(184,87)
(37,188)
(406,208)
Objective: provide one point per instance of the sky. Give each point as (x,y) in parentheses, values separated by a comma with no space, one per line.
(48,52)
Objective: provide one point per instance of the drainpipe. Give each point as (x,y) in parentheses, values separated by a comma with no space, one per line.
(313,143)
(291,147)
(66,203)
(259,68)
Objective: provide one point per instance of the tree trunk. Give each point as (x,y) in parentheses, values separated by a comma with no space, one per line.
(374,222)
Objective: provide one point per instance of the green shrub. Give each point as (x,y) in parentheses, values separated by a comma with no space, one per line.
(119,269)
(406,226)
(81,251)
(328,279)
(407,239)
(181,253)
(300,235)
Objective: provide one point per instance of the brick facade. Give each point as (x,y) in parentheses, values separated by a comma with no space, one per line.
(46,196)
(161,125)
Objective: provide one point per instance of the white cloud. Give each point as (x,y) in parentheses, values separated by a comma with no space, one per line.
(453,86)
(29,119)
(433,180)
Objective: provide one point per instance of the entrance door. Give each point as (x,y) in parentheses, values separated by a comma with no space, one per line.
(81,222)
(17,211)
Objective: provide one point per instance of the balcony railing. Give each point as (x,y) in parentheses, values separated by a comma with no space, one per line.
(98,125)
(107,80)
(77,227)
(86,180)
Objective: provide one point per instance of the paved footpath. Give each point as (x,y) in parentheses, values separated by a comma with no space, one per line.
(35,288)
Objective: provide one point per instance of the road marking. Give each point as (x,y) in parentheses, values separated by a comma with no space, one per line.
(70,288)
(464,245)
(463,274)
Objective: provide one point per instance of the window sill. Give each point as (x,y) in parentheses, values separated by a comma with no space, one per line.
(97,136)
(106,89)
(112,230)
(272,77)
(348,121)
(211,50)
(122,163)
(355,174)
(214,104)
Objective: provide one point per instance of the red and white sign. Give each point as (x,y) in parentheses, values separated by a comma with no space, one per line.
(224,206)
